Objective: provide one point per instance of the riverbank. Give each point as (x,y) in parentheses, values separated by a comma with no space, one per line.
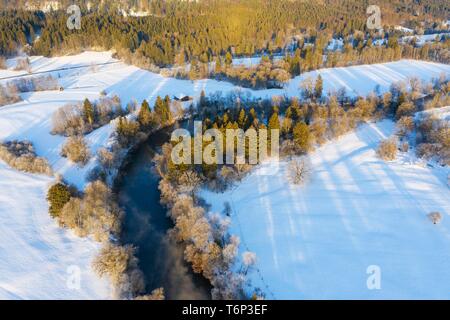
(146,225)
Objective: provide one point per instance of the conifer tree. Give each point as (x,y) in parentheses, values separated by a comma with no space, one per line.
(88,111)
(144,115)
(274,122)
(228,59)
(302,137)
(57,196)
(318,88)
(242,119)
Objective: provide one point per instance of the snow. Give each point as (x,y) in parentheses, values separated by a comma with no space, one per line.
(34,251)
(335,44)
(35,254)
(422,39)
(252,61)
(317,241)
(440,113)
(130,82)
(404,29)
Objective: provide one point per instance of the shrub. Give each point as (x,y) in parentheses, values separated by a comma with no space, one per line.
(435,217)
(106,158)
(405,109)
(426,150)
(72,119)
(68,121)
(405,125)
(23,64)
(21,156)
(387,150)
(96,213)
(120,264)
(157,294)
(57,196)
(36,84)
(76,150)
(126,130)
(3,63)
(434,139)
(9,95)
(405,146)
(298,171)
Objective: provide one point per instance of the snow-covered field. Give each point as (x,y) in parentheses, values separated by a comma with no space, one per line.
(422,39)
(131,82)
(440,113)
(317,241)
(34,252)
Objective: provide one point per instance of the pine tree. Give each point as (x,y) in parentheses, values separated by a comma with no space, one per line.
(159,108)
(318,87)
(88,111)
(144,115)
(57,196)
(274,122)
(242,119)
(203,102)
(167,112)
(162,110)
(218,67)
(302,137)
(228,59)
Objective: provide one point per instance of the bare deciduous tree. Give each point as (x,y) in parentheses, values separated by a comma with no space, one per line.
(387,149)
(189,182)
(21,156)
(435,217)
(23,64)
(298,171)
(76,150)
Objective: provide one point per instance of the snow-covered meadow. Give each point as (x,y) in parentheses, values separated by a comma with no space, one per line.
(320,240)
(34,252)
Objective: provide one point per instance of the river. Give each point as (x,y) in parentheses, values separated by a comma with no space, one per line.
(145,225)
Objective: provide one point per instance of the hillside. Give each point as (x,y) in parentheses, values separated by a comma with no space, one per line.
(317,241)
(35,253)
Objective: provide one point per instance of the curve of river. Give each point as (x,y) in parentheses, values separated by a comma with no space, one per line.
(145,225)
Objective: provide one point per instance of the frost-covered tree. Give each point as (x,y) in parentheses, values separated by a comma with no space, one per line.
(76,150)
(298,171)
(387,149)
(248,260)
(435,217)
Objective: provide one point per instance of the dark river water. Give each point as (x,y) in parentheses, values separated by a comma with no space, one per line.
(145,225)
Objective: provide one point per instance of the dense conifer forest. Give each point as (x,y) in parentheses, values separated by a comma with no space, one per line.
(177,31)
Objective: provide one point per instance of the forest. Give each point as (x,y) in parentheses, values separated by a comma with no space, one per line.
(177,31)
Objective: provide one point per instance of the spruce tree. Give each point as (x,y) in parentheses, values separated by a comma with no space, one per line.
(242,119)
(228,59)
(144,115)
(167,112)
(302,137)
(274,122)
(318,88)
(88,111)
(57,196)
